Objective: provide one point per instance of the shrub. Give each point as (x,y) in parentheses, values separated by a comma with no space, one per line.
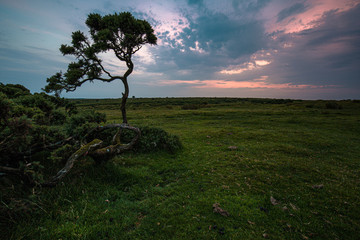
(62,154)
(14,90)
(333,105)
(29,122)
(79,124)
(190,107)
(153,139)
(38,134)
(57,117)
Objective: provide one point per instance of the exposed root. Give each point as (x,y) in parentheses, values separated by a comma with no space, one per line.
(94,149)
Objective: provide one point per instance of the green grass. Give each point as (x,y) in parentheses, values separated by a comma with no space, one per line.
(283,149)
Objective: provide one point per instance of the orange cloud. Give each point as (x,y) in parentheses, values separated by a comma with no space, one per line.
(245,67)
(257,61)
(262,62)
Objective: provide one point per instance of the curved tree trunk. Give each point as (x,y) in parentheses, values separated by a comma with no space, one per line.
(70,162)
(125,96)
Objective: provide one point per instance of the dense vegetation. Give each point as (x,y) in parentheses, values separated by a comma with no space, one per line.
(280,169)
(39,133)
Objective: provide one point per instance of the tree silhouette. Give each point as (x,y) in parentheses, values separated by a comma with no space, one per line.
(119,33)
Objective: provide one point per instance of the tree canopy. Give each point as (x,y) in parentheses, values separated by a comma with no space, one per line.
(120,33)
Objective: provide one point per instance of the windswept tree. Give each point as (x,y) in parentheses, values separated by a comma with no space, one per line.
(123,35)
(119,33)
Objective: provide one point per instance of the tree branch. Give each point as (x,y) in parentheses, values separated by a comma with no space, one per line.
(70,162)
(6,138)
(94,150)
(9,170)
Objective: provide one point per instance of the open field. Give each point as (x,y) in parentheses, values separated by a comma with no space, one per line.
(281,169)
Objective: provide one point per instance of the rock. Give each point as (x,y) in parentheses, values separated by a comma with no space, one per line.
(217,209)
(293,207)
(320,186)
(273,201)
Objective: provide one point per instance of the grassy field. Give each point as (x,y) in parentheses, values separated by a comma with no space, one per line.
(281,169)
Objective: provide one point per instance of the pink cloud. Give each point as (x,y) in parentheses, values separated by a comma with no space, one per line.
(305,20)
(260,82)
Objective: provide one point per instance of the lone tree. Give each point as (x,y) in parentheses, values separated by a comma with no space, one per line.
(119,33)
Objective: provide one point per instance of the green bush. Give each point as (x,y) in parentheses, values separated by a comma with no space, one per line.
(33,130)
(62,154)
(57,117)
(79,124)
(332,105)
(29,122)
(190,107)
(153,139)
(14,90)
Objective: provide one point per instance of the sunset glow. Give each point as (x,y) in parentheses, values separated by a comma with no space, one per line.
(256,83)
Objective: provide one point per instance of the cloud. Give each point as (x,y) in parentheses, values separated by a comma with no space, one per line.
(328,54)
(219,34)
(214,45)
(259,83)
(290,11)
(205,48)
(195,2)
(285,16)
(207,44)
(254,64)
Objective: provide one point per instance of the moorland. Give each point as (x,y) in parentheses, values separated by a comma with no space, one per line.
(248,169)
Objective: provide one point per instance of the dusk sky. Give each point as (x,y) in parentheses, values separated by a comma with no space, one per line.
(306,49)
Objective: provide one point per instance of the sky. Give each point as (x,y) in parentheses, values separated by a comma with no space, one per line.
(297,49)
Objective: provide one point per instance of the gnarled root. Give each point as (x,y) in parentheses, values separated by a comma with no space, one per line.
(116,147)
(70,162)
(96,150)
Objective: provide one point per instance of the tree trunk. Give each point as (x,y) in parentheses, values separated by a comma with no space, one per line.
(84,150)
(125,95)
(124,99)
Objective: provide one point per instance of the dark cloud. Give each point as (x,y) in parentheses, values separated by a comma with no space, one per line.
(195,2)
(250,6)
(290,11)
(211,42)
(328,54)
(223,35)
(338,31)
